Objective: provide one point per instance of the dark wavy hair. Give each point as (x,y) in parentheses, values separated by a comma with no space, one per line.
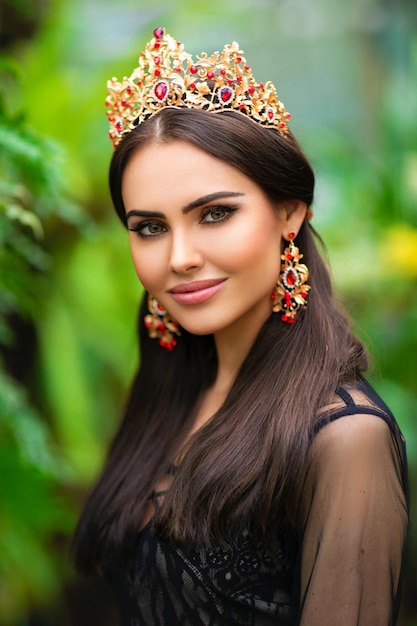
(243,468)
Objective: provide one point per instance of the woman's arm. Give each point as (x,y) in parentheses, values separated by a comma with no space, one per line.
(355,520)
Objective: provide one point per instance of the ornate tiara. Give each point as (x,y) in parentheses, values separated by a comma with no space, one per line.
(167,76)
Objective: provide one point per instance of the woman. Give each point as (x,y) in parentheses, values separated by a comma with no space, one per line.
(256,477)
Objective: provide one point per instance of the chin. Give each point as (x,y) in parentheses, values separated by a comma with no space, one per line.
(200,331)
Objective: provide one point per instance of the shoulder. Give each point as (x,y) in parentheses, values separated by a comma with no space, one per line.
(352,431)
(358,419)
(350,444)
(354,464)
(357,441)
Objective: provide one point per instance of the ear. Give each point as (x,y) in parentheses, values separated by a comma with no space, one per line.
(295,212)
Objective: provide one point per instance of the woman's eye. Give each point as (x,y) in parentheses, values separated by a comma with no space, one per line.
(217,214)
(148,229)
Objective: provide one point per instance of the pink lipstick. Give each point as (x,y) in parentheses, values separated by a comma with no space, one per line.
(197,291)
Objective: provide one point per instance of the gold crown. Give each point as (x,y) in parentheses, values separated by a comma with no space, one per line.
(167,76)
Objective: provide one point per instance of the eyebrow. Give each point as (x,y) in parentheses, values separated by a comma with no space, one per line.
(211,197)
(195,204)
(136,213)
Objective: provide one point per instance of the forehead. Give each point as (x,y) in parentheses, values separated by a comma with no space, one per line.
(180,170)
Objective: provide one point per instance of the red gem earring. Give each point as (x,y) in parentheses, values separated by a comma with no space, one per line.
(291,291)
(160,325)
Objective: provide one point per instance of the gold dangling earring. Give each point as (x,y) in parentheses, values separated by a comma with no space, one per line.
(160,325)
(291,291)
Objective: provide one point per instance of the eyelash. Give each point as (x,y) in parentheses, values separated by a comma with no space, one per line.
(139,228)
(228,212)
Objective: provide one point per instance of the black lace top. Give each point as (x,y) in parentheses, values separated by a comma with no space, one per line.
(340,565)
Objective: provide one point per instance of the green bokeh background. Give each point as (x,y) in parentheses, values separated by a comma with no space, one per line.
(347,71)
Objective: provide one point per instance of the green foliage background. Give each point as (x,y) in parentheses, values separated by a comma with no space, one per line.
(68,294)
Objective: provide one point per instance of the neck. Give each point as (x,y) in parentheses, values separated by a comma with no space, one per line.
(233,345)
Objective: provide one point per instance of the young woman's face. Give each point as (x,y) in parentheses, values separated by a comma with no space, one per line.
(205,239)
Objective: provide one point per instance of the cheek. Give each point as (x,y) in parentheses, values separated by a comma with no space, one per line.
(146,265)
(251,247)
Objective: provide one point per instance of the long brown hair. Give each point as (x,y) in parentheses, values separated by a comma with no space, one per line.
(241,470)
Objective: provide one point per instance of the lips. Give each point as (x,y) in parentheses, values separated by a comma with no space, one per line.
(197,291)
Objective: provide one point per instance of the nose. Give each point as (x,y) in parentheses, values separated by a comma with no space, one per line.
(185,253)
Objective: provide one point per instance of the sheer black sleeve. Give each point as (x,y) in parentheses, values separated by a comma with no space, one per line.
(354,517)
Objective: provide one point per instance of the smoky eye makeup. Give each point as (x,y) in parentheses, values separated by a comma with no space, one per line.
(147,228)
(145,223)
(217,214)
(152,224)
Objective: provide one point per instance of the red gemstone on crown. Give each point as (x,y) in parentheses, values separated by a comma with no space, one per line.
(210,75)
(192,86)
(223,72)
(193,69)
(161,90)
(226,94)
(247,68)
(157,72)
(157,45)
(159,32)
(271,114)
(251,90)
(157,60)
(238,59)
